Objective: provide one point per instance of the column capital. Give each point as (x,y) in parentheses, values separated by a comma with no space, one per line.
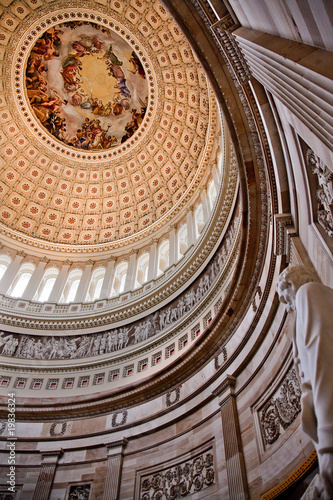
(121,443)
(116,447)
(51,456)
(45,259)
(226,388)
(21,253)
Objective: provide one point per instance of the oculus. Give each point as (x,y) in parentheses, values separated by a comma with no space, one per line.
(86,85)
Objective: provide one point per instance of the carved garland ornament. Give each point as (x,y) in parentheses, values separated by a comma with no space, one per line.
(181,480)
(282,409)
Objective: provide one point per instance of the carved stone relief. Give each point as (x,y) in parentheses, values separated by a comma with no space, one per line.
(173,397)
(183,479)
(281,409)
(58,428)
(4,495)
(324,190)
(48,348)
(79,492)
(119,418)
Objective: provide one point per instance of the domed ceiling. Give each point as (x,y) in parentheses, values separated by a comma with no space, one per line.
(106,127)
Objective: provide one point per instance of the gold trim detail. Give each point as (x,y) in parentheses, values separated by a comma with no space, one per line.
(292,479)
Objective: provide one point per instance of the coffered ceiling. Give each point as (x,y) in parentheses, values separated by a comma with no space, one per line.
(107,122)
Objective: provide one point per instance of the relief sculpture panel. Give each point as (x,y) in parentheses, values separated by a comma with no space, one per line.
(281,409)
(80,346)
(181,480)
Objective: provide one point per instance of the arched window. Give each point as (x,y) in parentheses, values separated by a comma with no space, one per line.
(96,283)
(182,241)
(5,260)
(21,280)
(199,220)
(119,278)
(142,270)
(163,257)
(72,284)
(212,193)
(46,285)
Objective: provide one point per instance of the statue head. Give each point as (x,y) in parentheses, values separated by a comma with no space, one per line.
(289,281)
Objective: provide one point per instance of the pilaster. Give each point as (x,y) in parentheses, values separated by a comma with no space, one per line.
(114,469)
(235,464)
(46,474)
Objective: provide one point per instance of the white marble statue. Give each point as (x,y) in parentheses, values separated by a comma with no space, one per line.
(313,350)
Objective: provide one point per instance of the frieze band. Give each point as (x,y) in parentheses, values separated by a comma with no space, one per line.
(52,348)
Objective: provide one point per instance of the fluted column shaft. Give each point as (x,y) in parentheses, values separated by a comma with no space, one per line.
(152,260)
(190,228)
(131,271)
(84,283)
(46,475)
(235,464)
(172,246)
(59,283)
(35,280)
(114,469)
(108,279)
(11,272)
(205,206)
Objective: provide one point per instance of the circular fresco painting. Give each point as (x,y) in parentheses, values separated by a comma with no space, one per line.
(86,85)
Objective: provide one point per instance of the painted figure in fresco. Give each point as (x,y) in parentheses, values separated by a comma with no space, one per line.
(113,64)
(54,100)
(313,353)
(138,68)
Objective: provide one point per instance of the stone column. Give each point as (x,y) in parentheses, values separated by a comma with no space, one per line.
(172,245)
(216,177)
(46,474)
(35,280)
(190,228)
(205,206)
(130,276)
(113,469)
(152,260)
(84,282)
(108,279)
(11,272)
(60,282)
(235,465)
